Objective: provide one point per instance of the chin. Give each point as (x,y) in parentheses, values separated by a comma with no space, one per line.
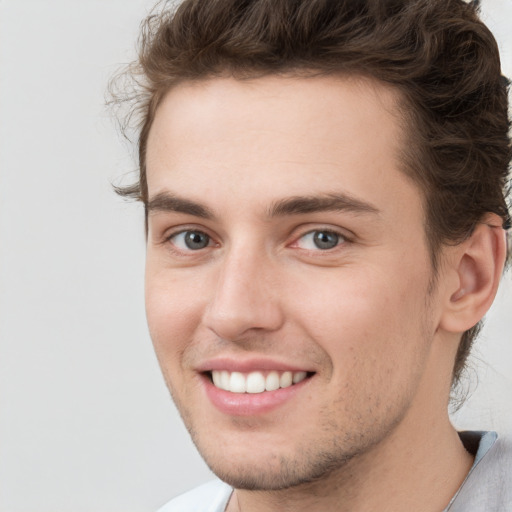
(274,471)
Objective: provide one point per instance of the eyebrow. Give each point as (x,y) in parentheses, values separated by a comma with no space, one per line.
(329,202)
(167,202)
(296,205)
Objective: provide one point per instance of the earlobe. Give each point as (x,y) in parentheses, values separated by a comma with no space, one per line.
(479,266)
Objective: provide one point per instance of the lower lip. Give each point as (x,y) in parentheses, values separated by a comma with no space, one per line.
(250,404)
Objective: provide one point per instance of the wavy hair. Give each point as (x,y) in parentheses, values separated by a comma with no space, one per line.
(437,53)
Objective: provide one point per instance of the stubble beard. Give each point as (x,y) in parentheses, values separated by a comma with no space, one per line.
(329,452)
(287,472)
(329,459)
(332,453)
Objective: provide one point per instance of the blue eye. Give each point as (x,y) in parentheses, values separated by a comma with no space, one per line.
(320,239)
(190,240)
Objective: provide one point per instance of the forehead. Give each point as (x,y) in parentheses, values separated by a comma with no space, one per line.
(318,108)
(277,136)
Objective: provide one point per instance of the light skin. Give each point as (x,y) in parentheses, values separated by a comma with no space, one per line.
(283,236)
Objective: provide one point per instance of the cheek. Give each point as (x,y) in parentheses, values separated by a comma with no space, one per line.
(375,339)
(172,312)
(364,319)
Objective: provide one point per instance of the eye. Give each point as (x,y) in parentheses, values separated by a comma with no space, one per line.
(190,240)
(320,239)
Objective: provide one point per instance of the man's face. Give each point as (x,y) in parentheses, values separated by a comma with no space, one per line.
(286,245)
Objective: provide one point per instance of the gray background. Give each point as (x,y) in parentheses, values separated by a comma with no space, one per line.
(86,423)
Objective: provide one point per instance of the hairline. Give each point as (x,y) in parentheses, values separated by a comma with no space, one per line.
(402,110)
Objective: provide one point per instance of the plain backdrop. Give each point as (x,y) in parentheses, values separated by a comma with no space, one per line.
(86,423)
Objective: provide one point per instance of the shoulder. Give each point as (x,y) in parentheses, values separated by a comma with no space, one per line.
(210,497)
(489,485)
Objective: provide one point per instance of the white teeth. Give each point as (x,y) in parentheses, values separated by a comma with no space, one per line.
(272,381)
(286,379)
(255,382)
(299,376)
(216,377)
(224,380)
(237,383)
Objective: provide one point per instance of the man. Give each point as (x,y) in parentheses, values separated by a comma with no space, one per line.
(324,185)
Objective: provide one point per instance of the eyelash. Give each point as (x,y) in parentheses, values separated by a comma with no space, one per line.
(174,235)
(341,240)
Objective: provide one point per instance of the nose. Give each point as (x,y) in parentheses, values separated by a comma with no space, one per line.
(245,298)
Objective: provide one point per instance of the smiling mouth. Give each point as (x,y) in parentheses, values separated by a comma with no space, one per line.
(255,382)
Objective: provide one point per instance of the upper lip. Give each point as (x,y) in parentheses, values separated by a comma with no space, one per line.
(249,365)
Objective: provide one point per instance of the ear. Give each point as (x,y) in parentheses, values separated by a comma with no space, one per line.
(478,265)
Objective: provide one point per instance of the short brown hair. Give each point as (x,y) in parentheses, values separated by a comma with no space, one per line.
(437,53)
